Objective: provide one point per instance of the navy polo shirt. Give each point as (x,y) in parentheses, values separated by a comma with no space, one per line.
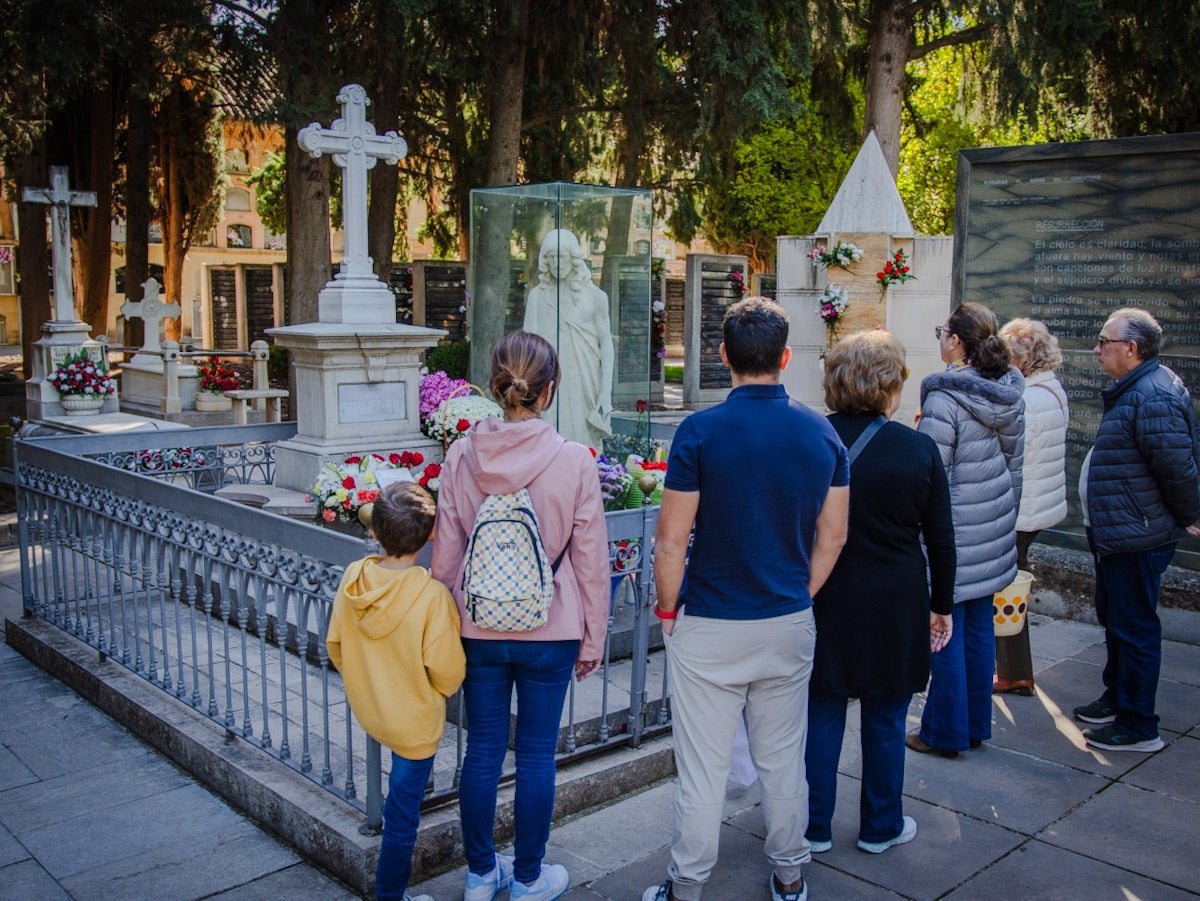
(763,465)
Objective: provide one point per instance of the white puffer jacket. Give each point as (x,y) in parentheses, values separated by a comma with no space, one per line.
(1044,493)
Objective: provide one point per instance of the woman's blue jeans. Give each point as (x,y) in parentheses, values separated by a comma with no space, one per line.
(541,672)
(401,816)
(958,707)
(880,810)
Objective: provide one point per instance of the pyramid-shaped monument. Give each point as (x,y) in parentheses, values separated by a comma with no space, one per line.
(868,200)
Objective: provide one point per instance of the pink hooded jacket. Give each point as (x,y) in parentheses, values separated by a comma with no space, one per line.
(498,457)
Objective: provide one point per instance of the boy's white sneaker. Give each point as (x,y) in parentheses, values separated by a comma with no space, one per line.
(485,888)
(551,883)
(408,897)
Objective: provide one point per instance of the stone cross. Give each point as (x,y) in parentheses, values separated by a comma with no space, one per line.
(61,198)
(152,312)
(355,147)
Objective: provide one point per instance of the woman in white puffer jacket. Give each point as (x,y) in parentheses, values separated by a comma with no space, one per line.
(1044,497)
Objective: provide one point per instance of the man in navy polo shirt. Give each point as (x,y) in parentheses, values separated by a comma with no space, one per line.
(765,481)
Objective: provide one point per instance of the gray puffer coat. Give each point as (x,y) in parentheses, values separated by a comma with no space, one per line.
(979,426)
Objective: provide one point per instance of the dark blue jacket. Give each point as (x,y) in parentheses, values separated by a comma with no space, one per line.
(1142,489)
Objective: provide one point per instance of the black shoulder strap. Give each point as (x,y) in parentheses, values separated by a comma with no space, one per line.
(865,438)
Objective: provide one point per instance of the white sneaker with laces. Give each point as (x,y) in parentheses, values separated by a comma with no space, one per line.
(551,883)
(658,892)
(485,888)
(408,897)
(907,833)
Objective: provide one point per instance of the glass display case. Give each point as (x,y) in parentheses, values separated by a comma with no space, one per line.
(572,263)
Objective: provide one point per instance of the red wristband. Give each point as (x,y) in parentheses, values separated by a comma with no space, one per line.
(665,614)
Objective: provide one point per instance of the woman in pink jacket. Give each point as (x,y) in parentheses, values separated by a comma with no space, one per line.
(499,457)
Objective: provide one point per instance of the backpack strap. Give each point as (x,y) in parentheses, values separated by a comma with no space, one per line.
(559,559)
(865,438)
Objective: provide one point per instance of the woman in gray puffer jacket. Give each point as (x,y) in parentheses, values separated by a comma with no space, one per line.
(975,413)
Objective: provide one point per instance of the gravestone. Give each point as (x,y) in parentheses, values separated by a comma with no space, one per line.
(714,283)
(866,211)
(1068,233)
(358,371)
(142,376)
(355,294)
(627,283)
(260,301)
(66,334)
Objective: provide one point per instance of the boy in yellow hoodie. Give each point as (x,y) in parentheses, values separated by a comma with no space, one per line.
(394,636)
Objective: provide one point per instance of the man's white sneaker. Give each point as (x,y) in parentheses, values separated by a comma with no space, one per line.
(907,833)
(552,883)
(485,888)
(777,893)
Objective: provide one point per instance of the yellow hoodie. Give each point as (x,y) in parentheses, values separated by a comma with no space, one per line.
(394,637)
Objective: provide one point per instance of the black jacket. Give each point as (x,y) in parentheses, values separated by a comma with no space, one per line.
(1141,488)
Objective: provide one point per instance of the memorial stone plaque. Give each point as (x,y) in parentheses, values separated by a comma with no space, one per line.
(717,294)
(260,301)
(630,288)
(223,284)
(445,296)
(1068,233)
(674,299)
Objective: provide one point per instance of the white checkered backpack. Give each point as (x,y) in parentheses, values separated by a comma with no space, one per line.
(508,580)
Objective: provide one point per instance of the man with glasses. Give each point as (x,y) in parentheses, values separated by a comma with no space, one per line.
(1139,493)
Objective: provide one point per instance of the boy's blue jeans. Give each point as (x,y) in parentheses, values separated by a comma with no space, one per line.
(541,672)
(401,815)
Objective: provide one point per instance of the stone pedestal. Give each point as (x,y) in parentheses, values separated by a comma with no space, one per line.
(357,391)
(59,340)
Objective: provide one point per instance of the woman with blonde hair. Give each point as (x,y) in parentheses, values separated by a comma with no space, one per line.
(878,616)
(501,457)
(974,411)
(1044,493)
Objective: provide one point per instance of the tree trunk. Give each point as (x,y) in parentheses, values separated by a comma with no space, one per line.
(137,211)
(506,85)
(95,258)
(385,179)
(302,46)
(888,42)
(173,216)
(33,254)
(308,253)
(505,92)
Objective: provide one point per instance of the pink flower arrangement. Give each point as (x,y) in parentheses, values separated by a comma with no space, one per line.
(436,387)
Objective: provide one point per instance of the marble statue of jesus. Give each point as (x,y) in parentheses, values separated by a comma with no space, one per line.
(567,309)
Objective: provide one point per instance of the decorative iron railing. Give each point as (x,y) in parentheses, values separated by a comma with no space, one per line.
(225,607)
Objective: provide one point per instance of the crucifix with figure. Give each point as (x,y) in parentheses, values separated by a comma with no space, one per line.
(355,294)
(61,198)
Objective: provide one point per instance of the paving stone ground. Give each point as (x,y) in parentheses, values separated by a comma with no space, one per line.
(88,811)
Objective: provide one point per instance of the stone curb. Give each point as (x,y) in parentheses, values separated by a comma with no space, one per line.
(297,811)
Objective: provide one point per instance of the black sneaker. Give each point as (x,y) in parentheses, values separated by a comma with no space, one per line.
(1101,711)
(1116,738)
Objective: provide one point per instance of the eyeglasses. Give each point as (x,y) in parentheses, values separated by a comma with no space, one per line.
(939,331)
(1102,341)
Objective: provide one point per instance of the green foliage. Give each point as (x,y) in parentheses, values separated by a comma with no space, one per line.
(673,374)
(278,360)
(786,175)
(454,359)
(269,194)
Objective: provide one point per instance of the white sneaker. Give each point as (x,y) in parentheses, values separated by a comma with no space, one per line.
(408,897)
(485,888)
(552,883)
(777,895)
(658,892)
(907,833)
(819,847)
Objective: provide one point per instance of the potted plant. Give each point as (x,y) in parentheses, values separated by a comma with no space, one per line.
(216,377)
(82,383)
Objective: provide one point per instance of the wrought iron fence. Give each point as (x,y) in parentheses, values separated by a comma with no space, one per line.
(225,607)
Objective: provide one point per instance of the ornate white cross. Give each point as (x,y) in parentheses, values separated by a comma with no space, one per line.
(355,147)
(61,198)
(152,312)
